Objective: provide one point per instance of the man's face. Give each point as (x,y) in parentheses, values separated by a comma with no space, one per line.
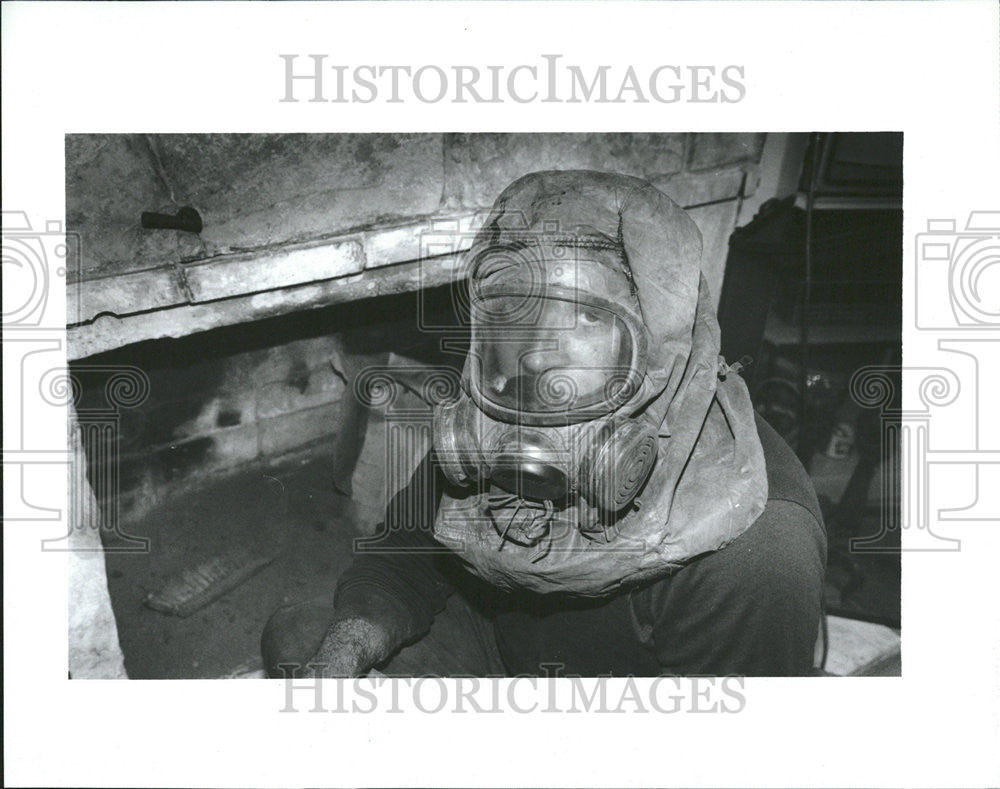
(566,357)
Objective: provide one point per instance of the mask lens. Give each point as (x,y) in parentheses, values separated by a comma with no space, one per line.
(567,356)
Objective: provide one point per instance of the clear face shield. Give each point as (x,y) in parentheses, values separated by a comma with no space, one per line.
(558,359)
(558,347)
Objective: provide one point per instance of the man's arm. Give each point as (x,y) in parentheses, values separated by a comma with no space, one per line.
(753,607)
(390,594)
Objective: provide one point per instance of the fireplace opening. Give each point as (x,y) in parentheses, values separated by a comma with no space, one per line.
(257,456)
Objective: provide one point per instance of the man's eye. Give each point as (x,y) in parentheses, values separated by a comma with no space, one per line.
(590,317)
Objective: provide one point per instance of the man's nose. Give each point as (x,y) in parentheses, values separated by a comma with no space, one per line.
(548,353)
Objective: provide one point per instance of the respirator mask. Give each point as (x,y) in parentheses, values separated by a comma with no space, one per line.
(551,414)
(592,443)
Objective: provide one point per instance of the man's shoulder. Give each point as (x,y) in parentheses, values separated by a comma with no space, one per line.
(787,479)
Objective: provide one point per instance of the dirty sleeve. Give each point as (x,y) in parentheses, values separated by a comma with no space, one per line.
(399,576)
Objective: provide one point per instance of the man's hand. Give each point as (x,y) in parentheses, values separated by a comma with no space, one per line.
(350,648)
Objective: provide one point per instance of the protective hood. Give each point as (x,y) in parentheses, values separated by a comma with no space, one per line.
(691,476)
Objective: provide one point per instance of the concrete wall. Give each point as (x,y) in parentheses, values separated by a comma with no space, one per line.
(300,221)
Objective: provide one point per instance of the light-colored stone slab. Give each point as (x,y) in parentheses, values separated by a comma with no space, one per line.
(124,294)
(220,279)
(855,644)
(94,650)
(106,333)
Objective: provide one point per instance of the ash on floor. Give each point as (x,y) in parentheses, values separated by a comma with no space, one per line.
(289,510)
(286,508)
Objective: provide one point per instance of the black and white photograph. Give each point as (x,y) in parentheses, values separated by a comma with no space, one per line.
(411,393)
(487,404)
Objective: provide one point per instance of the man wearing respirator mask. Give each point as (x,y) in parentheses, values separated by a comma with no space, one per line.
(601,495)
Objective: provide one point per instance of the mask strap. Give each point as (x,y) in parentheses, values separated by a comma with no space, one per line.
(540,517)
